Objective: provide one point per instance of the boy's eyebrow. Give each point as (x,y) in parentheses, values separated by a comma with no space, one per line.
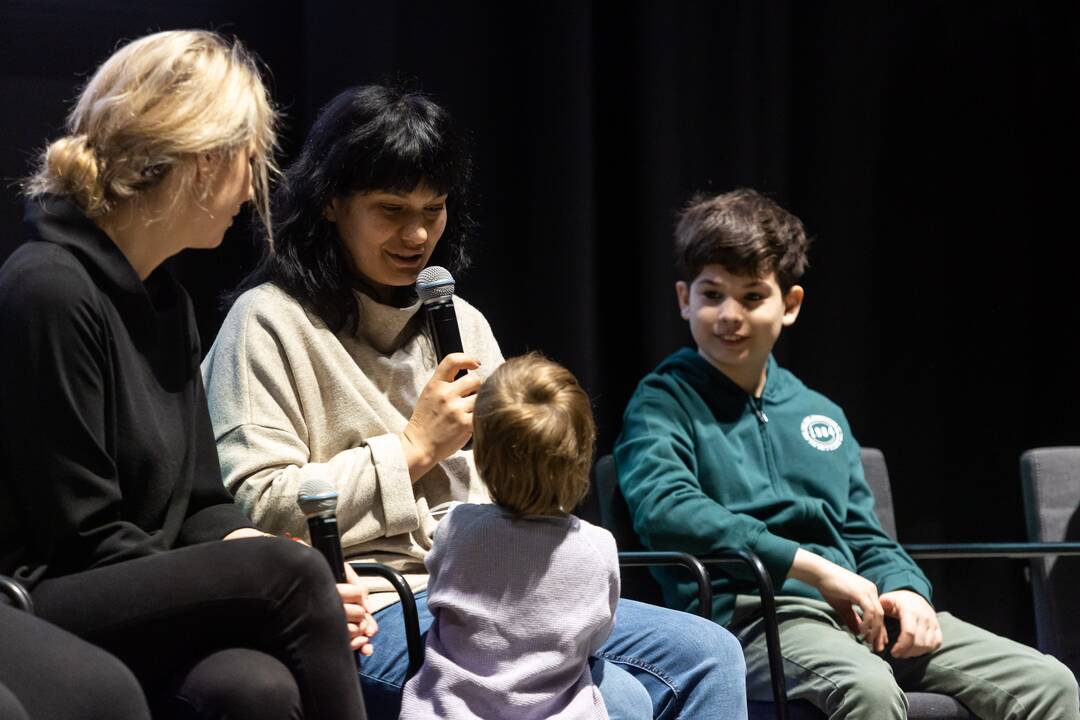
(748,284)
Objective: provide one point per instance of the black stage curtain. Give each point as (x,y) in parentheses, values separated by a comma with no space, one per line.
(930,149)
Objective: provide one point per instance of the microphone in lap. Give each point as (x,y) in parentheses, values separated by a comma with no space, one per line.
(318,499)
(435,286)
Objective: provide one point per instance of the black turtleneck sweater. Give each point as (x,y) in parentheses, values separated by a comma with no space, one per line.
(106,448)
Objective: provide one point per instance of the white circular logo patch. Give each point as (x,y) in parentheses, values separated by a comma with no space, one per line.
(822,432)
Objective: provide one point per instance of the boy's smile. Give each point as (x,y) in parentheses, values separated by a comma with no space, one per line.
(736,320)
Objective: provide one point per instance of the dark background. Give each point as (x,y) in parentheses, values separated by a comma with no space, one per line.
(931,152)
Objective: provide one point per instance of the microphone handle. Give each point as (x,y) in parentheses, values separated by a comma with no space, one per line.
(445,333)
(325,539)
(443,326)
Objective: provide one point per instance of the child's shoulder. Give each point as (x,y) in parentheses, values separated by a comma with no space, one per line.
(602,540)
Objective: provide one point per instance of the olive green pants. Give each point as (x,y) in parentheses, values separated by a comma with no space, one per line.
(827,665)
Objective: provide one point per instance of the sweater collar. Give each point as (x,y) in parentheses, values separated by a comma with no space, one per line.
(715,385)
(56,219)
(387,327)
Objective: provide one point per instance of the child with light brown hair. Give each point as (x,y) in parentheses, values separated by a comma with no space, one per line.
(523,592)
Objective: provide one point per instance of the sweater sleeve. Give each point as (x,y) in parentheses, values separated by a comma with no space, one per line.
(607,554)
(55,423)
(657,468)
(878,558)
(262,440)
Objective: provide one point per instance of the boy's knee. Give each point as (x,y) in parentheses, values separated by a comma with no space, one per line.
(1058,687)
(867,693)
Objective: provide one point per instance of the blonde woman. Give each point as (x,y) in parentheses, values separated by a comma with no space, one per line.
(112,502)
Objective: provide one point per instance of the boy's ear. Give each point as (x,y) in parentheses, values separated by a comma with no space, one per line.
(682,291)
(792,304)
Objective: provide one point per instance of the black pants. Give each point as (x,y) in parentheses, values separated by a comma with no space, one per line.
(48,673)
(241,629)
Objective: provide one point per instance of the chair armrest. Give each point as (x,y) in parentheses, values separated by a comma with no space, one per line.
(956,551)
(408,609)
(661,557)
(14,591)
(768,613)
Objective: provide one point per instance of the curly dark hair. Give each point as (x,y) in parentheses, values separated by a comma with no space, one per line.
(368,138)
(746,232)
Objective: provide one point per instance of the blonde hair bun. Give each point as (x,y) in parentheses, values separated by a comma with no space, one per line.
(73,164)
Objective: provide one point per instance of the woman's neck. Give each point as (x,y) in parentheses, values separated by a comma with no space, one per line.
(392,295)
(147,228)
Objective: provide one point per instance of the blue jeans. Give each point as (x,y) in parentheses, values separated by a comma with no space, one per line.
(689,667)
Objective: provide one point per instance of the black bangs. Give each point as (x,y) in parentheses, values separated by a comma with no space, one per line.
(407,140)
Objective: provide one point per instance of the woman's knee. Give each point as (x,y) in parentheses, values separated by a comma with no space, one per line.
(10,707)
(708,641)
(625,697)
(111,692)
(290,567)
(238,684)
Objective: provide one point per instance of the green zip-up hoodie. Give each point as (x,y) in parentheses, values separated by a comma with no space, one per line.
(706,467)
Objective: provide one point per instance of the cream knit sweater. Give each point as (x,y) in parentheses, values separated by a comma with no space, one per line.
(290,399)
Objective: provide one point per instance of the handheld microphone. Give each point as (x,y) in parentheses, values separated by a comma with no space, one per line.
(318,501)
(435,286)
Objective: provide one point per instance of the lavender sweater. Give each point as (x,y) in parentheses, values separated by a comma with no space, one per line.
(520,605)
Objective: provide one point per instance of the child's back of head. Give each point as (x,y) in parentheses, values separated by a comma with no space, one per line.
(534,436)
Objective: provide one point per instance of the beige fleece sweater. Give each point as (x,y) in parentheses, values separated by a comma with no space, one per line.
(290,399)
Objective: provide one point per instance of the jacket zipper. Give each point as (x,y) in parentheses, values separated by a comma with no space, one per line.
(757,405)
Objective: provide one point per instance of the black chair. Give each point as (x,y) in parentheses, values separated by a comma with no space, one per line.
(930,706)
(15,594)
(616,518)
(1051,484)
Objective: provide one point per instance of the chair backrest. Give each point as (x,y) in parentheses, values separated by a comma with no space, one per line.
(637,583)
(877,477)
(1051,484)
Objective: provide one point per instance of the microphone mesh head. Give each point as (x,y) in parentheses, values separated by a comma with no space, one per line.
(434,282)
(317,495)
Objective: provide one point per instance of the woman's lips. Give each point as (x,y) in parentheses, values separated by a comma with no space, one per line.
(406,261)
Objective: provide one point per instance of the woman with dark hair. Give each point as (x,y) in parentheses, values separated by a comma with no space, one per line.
(324,368)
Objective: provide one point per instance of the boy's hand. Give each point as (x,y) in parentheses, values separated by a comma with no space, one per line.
(441,422)
(843,589)
(920,632)
(362,626)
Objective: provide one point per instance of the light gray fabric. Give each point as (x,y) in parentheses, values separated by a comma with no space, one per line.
(1051,481)
(520,604)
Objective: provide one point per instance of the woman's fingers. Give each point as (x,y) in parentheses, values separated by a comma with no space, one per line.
(454,363)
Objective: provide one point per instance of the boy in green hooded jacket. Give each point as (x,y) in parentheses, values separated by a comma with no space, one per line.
(721,448)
